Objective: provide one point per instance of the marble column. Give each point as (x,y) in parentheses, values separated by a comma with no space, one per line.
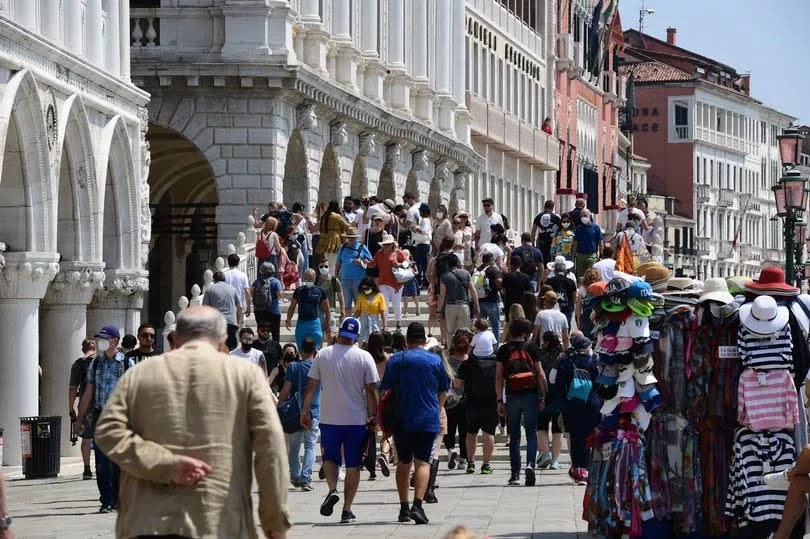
(314,35)
(25,14)
(74,36)
(247,30)
(462,117)
(398,80)
(374,71)
(63,327)
(123,38)
(280,30)
(341,20)
(24,278)
(112,40)
(51,19)
(421,90)
(93,31)
(443,62)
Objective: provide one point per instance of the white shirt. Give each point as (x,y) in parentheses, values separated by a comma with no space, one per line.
(239,281)
(484,343)
(483,224)
(606,267)
(343,371)
(497,252)
(413,213)
(625,214)
(252,355)
(425,233)
(358,221)
(551,320)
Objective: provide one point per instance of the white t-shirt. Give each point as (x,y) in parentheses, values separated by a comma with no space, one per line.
(343,371)
(625,214)
(253,355)
(238,280)
(413,213)
(551,320)
(497,252)
(425,233)
(606,267)
(483,223)
(358,222)
(484,343)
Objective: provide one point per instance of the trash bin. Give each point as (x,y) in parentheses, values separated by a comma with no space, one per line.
(39,440)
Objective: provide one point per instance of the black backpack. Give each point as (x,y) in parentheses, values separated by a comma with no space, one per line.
(562,294)
(528,264)
(262,296)
(484,388)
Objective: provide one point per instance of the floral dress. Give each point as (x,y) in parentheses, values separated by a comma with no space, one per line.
(563,245)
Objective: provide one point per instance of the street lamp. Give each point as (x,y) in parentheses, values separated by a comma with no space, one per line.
(790,146)
(799,236)
(790,195)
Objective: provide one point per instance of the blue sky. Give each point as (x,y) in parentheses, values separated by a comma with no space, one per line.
(766,37)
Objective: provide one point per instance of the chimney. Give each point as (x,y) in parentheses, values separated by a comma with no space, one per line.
(671,35)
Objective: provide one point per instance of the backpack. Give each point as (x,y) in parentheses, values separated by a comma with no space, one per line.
(522,372)
(529,265)
(263,246)
(581,385)
(562,295)
(481,282)
(484,390)
(389,411)
(262,295)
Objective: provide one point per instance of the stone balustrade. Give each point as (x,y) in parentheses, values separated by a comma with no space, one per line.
(144,28)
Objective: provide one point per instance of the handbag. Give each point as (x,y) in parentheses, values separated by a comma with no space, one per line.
(289,410)
(403,275)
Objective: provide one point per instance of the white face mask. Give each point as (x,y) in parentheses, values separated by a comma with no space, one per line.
(324,271)
(566,224)
(102,345)
(586,220)
(368,292)
(308,284)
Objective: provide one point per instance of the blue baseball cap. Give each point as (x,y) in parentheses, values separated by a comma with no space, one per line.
(639,290)
(350,328)
(108,332)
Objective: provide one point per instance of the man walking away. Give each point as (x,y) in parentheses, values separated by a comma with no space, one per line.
(487,281)
(606,265)
(545,226)
(146,344)
(107,367)
(456,294)
(566,289)
(239,281)
(266,292)
(247,351)
(515,283)
(477,377)
(550,318)
(190,474)
(295,381)
(223,297)
(520,373)
(76,387)
(531,260)
(483,230)
(348,377)
(422,383)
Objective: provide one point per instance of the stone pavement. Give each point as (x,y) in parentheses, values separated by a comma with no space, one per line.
(66,506)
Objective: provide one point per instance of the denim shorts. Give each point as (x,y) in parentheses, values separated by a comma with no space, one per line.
(352,438)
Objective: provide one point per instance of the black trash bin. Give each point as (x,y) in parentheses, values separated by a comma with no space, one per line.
(40,439)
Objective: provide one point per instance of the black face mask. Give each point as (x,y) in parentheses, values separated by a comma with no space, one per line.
(246,346)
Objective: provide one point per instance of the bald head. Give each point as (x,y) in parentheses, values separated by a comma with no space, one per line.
(309,275)
(200,323)
(580,203)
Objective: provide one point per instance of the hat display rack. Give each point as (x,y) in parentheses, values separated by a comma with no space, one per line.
(699,403)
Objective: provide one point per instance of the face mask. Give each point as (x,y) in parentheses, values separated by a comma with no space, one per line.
(102,345)
(566,224)
(367,291)
(247,345)
(289,356)
(586,220)
(324,271)
(439,215)
(308,284)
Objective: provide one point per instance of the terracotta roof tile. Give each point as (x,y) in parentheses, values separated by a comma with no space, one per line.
(654,71)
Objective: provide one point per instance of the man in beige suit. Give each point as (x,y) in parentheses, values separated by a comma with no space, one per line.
(184,427)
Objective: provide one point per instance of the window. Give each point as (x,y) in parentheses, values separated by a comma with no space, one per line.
(711,171)
(720,175)
(764,132)
(681,121)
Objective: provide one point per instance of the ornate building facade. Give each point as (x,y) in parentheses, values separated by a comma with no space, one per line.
(74,213)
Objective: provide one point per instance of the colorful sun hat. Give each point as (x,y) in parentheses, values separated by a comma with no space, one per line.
(616,286)
(771,281)
(619,316)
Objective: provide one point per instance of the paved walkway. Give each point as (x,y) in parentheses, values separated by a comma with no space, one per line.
(66,506)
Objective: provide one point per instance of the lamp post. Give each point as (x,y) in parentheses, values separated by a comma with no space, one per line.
(799,236)
(790,195)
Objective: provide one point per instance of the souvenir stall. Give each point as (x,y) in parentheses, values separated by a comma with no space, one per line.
(700,404)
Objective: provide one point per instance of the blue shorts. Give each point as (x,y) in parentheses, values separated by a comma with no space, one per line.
(352,438)
(414,445)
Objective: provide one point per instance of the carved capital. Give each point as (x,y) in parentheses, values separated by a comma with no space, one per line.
(459,179)
(420,160)
(368,145)
(119,286)
(338,135)
(392,151)
(26,275)
(307,119)
(75,283)
(441,170)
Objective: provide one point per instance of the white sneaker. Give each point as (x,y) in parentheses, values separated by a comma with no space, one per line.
(341,473)
(778,480)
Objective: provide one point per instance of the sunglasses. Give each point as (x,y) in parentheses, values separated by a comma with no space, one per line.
(149,335)
(323,267)
(487,205)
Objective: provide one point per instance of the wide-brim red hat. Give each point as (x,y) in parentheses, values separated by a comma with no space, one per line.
(771,279)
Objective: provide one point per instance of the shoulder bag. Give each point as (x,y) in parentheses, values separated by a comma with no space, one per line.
(289,411)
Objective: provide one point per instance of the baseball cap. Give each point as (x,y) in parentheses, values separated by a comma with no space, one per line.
(610,306)
(639,290)
(608,375)
(109,332)
(416,331)
(619,316)
(350,328)
(580,342)
(617,285)
(641,307)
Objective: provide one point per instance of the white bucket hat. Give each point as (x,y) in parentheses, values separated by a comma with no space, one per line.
(387,239)
(560,260)
(763,316)
(716,289)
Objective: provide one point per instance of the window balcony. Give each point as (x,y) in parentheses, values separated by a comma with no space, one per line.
(724,251)
(702,246)
(565,52)
(622,89)
(579,61)
(681,132)
(726,198)
(750,254)
(703,193)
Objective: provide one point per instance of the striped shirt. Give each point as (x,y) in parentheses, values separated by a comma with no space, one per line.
(754,454)
(765,352)
(767,400)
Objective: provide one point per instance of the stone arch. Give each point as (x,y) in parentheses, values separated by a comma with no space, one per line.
(329,186)
(386,188)
(435,193)
(26,186)
(296,171)
(412,183)
(359,184)
(77,205)
(121,223)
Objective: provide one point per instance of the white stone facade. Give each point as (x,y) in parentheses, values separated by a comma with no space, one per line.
(74,216)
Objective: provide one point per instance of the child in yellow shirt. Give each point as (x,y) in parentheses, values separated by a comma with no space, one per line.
(370,310)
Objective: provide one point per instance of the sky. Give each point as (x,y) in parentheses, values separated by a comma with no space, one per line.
(768,38)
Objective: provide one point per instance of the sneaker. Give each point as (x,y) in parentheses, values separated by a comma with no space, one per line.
(372,477)
(486,469)
(382,462)
(777,481)
(321,473)
(296,483)
(347,517)
(452,457)
(545,461)
(514,479)
(404,515)
(105,509)
(87,473)
(529,473)
(418,515)
(306,487)
(470,467)
(501,430)
(555,465)
(328,505)
(462,462)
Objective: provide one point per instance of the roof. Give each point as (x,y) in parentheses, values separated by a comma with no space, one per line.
(678,52)
(654,71)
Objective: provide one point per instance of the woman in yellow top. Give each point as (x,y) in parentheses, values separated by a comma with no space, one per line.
(332,226)
(371,309)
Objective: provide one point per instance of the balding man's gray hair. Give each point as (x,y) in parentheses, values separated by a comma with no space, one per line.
(267,268)
(200,323)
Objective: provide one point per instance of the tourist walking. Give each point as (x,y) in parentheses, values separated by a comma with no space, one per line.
(550,318)
(513,284)
(224,298)
(562,244)
(334,293)
(350,266)
(309,299)
(422,383)
(266,292)
(456,295)
(460,350)
(371,310)
(268,245)
(442,228)
(410,289)
(332,227)
(76,386)
(239,281)
(587,243)
(190,473)
(548,421)
(245,350)
(146,344)
(520,375)
(487,280)
(544,227)
(422,234)
(388,258)
(531,260)
(565,287)
(348,378)
(483,225)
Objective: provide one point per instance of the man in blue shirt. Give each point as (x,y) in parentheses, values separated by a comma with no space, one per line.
(349,268)
(422,382)
(587,243)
